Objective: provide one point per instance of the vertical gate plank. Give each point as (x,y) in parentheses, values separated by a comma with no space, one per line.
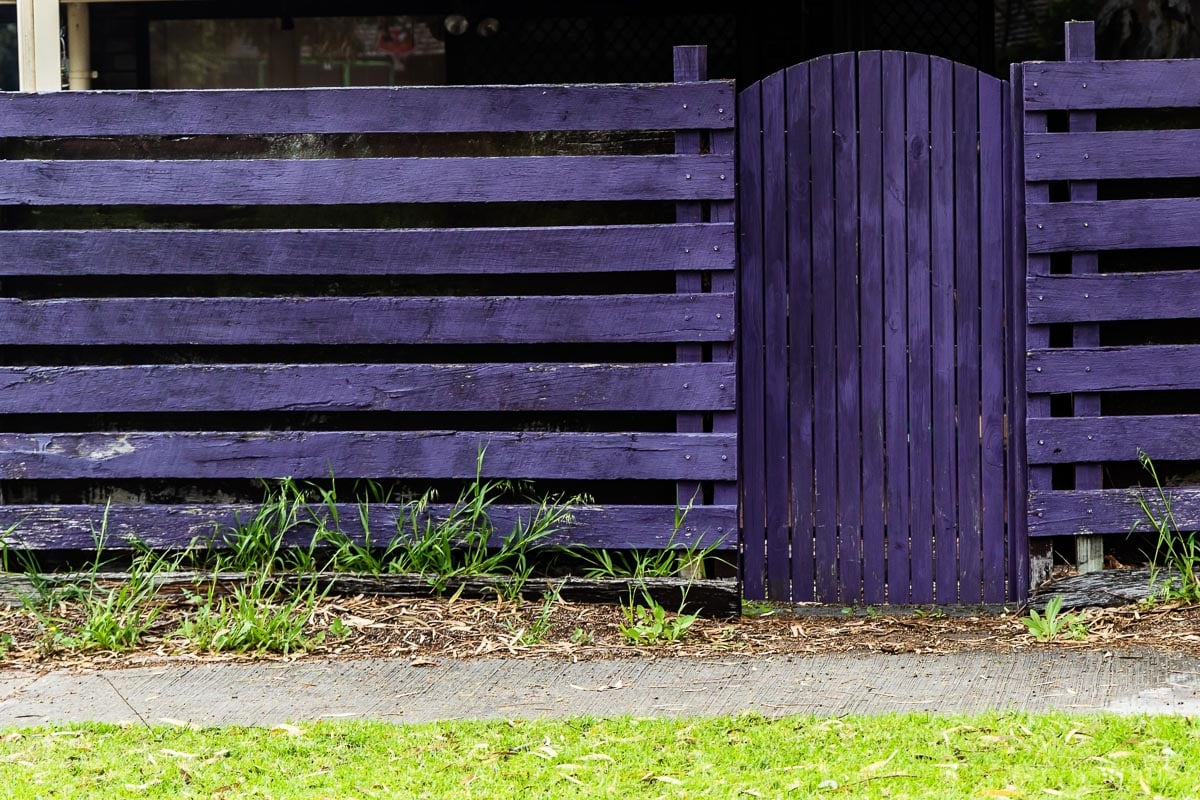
(895,328)
(825,442)
(920,341)
(775,243)
(1014,310)
(724,492)
(870,261)
(800,354)
(966,223)
(849,431)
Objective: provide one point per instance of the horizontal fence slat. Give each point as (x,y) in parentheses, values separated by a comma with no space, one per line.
(74,527)
(367,387)
(1067,513)
(415,109)
(1103,369)
(368,454)
(1065,440)
(1113,225)
(1110,155)
(367,180)
(1052,85)
(361,320)
(1114,296)
(444,251)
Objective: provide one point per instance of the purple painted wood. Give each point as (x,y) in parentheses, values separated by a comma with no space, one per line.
(1051,86)
(942,229)
(895,326)
(1114,296)
(800,333)
(920,332)
(870,284)
(992,277)
(367,454)
(1114,225)
(1015,303)
(1112,154)
(1068,440)
(750,335)
(53,527)
(366,180)
(1151,368)
(328,320)
(775,335)
(1067,513)
(849,430)
(724,212)
(366,387)
(448,251)
(409,109)
(825,416)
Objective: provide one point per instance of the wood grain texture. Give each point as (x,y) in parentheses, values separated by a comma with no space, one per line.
(1113,224)
(1167,83)
(441,251)
(366,180)
(1153,368)
(366,387)
(384,320)
(1114,296)
(367,454)
(1111,155)
(1066,440)
(407,109)
(1014,290)
(1069,513)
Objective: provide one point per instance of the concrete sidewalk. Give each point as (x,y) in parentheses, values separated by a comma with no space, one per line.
(268,693)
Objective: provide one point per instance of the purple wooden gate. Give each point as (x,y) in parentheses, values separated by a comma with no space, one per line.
(874,248)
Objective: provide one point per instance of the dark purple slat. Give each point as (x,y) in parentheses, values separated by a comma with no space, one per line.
(1052,85)
(1161,367)
(992,269)
(849,435)
(423,109)
(750,335)
(1066,440)
(775,335)
(415,320)
(1114,296)
(1114,225)
(367,454)
(724,492)
(47,527)
(967,349)
(1014,288)
(895,326)
(366,387)
(367,180)
(945,488)
(800,339)
(920,342)
(824,331)
(1068,513)
(449,251)
(870,265)
(1111,155)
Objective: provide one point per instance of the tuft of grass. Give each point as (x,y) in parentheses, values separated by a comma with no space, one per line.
(535,632)
(260,544)
(259,616)
(1055,624)
(1177,550)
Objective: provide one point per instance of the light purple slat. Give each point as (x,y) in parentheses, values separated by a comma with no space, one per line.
(870,266)
(942,229)
(1014,289)
(52,527)
(445,251)
(1114,296)
(408,109)
(824,331)
(1163,367)
(1067,440)
(1068,513)
(800,333)
(967,346)
(1050,86)
(895,326)
(367,454)
(849,434)
(1114,225)
(366,180)
(1111,155)
(330,320)
(775,335)
(750,336)
(920,342)
(365,387)
(992,270)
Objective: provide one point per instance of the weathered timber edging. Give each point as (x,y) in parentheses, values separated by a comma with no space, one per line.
(1103,589)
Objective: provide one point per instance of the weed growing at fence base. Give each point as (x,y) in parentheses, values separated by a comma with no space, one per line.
(1054,624)
(1178,550)
(913,756)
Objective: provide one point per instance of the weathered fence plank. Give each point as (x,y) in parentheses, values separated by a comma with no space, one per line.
(1114,225)
(1110,155)
(1066,440)
(1151,367)
(1114,296)
(1058,86)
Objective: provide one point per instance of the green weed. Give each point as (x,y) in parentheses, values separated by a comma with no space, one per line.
(257,617)
(260,543)
(535,632)
(651,623)
(667,562)
(1055,624)
(1178,550)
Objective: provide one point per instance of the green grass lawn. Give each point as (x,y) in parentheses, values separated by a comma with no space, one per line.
(997,755)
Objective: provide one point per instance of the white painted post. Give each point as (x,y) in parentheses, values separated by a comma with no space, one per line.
(79,47)
(40,62)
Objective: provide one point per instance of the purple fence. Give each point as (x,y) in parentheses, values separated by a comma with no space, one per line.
(874,264)
(180,353)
